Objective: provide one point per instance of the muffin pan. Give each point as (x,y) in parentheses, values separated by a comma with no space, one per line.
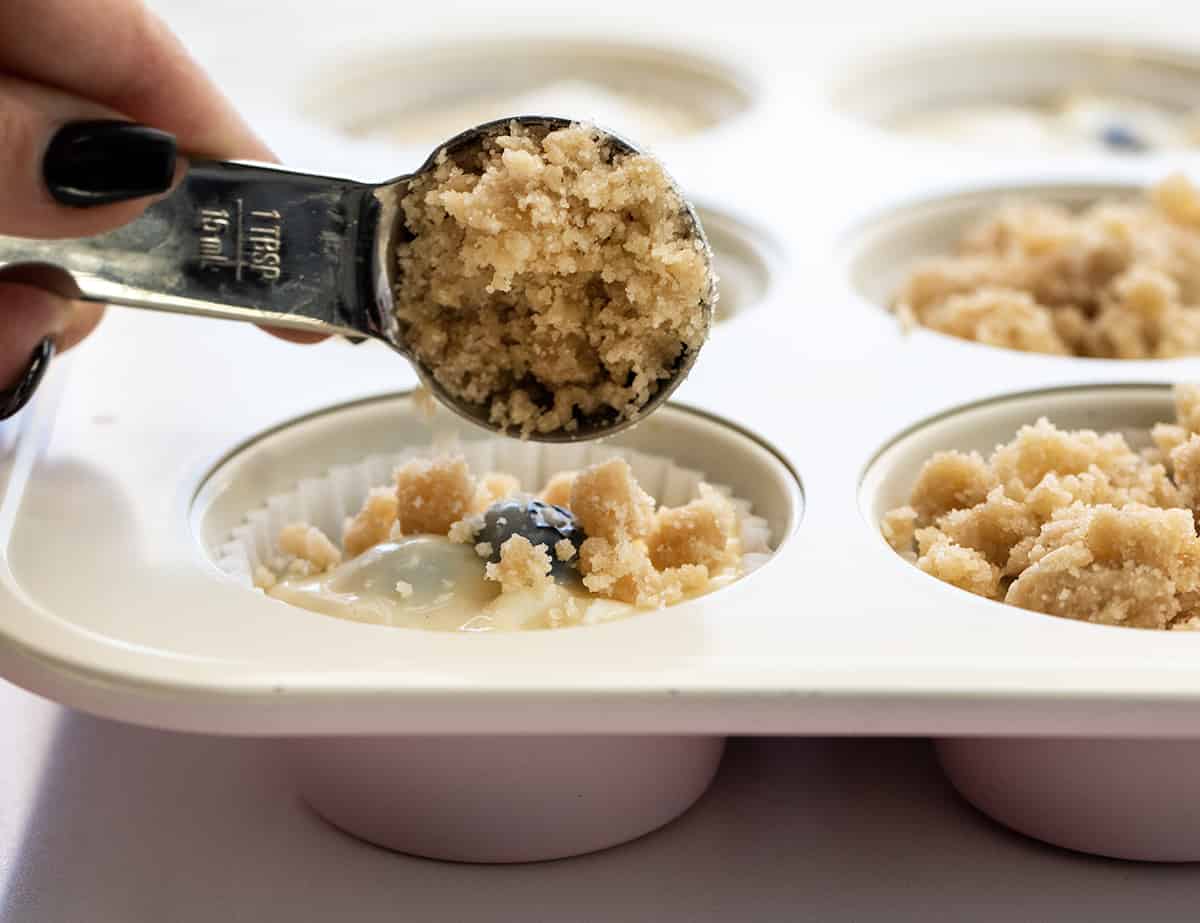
(417,97)
(883,90)
(148,444)
(747,260)
(881,251)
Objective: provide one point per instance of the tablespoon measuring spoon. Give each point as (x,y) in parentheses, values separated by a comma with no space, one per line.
(254,242)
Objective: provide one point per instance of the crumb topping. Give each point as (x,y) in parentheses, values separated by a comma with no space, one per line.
(373,523)
(309,548)
(608,502)
(702,532)
(493,487)
(551,279)
(1072,524)
(433,494)
(1118,280)
(523,566)
(558,489)
(634,553)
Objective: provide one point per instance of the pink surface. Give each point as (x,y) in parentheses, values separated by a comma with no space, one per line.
(107,823)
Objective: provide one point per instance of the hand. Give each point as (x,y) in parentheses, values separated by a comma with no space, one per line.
(80,81)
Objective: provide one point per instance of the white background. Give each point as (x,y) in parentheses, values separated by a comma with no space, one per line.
(103,822)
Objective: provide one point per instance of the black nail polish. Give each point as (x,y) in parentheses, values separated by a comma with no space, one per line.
(19,394)
(97,162)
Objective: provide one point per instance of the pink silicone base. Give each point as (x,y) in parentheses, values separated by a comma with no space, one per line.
(502,799)
(1128,799)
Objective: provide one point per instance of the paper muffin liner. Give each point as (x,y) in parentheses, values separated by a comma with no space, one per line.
(327,501)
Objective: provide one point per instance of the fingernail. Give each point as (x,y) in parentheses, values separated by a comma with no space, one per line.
(98,162)
(19,394)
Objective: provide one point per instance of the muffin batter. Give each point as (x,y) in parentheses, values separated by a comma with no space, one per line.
(551,279)
(441,550)
(1073,524)
(1119,280)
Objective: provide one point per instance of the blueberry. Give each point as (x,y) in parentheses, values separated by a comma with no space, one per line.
(541,523)
(1121,138)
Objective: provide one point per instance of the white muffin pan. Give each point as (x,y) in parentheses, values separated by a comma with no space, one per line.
(881,88)
(746,257)
(409,97)
(147,445)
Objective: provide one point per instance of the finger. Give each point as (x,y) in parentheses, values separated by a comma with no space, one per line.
(121,55)
(295,336)
(56,148)
(83,317)
(28,315)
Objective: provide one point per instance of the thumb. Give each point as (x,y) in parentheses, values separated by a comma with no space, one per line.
(58,153)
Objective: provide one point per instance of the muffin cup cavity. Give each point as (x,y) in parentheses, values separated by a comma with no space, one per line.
(501,799)
(1127,799)
(1128,409)
(887,89)
(878,254)
(485,798)
(319,469)
(1113,797)
(418,97)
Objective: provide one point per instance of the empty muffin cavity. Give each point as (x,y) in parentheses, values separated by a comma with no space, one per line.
(1072,270)
(1030,95)
(1078,503)
(336,502)
(418,97)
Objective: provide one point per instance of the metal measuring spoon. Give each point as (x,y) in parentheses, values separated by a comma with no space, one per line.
(258,243)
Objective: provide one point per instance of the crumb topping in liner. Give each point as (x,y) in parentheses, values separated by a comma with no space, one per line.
(433,494)
(635,553)
(310,550)
(1072,524)
(523,566)
(551,279)
(1118,280)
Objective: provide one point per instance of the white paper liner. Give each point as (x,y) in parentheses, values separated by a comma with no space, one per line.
(326,502)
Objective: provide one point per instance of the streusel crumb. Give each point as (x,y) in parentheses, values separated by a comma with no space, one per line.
(620,569)
(493,487)
(550,279)
(310,545)
(1073,524)
(608,502)
(1120,280)
(899,528)
(701,532)
(373,523)
(558,488)
(433,494)
(264,577)
(523,566)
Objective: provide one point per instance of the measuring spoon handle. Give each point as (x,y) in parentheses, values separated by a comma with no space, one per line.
(234,240)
